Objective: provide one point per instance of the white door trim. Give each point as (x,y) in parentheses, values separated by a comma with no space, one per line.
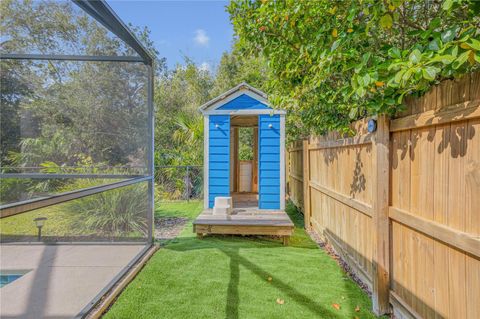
(282,161)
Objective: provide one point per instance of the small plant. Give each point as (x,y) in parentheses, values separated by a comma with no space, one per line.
(12,189)
(119,212)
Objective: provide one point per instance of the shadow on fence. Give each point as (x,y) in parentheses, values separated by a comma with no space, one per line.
(401,296)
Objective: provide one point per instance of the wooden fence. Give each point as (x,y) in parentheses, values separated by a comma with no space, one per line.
(402,205)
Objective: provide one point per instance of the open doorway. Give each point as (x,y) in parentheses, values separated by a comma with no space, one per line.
(244,161)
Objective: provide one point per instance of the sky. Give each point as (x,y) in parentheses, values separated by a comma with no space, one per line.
(198,29)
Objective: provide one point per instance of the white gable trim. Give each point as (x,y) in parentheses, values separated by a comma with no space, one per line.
(242,88)
(212,106)
(225,99)
(245,112)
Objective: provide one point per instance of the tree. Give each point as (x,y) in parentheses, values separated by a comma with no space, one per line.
(63,115)
(235,68)
(72,110)
(180,92)
(179,125)
(333,62)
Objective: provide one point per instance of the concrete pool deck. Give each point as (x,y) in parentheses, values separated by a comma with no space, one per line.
(61,279)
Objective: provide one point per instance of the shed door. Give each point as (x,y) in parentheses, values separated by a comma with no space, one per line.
(218,157)
(269,162)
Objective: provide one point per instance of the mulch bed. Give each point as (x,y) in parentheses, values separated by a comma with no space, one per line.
(169,227)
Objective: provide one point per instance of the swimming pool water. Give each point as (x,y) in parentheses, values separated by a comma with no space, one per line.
(6,279)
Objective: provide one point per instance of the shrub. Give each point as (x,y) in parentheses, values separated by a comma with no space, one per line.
(332,62)
(120,212)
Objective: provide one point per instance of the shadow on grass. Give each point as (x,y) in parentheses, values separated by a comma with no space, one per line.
(236,260)
(231,246)
(231,308)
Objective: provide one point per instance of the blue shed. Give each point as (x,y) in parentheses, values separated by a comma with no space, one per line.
(258,182)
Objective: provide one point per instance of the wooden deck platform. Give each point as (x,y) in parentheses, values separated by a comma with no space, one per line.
(245,200)
(245,222)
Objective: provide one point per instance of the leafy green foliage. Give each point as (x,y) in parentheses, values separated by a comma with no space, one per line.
(118,212)
(178,124)
(334,62)
(236,67)
(180,92)
(59,111)
(245,147)
(108,215)
(14,189)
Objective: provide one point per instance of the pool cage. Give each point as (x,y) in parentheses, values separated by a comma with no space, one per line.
(76,126)
(76,157)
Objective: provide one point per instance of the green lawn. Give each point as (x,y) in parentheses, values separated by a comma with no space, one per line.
(179,209)
(228,277)
(58,223)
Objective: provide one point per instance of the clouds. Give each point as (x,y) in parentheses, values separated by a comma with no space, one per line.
(205,66)
(201,38)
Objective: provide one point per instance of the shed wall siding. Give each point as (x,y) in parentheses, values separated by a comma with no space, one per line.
(218,157)
(243,102)
(269,162)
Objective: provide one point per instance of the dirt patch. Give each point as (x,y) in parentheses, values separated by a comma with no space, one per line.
(169,227)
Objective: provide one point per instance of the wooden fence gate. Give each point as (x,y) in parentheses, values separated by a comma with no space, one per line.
(402,205)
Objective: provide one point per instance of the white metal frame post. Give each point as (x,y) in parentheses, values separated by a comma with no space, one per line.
(150,155)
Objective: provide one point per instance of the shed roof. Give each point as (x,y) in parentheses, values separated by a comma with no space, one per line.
(240,88)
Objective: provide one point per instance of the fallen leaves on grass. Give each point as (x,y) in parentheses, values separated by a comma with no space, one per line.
(280,301)
(336,306)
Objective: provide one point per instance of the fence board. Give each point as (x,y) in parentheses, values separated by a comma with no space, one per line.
(381,228)
(434,202)
(455,113)
(295,173)
(472,173)
(338,193)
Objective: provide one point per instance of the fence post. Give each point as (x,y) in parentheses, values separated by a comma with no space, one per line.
(287,170)
(380,220)
(306,184)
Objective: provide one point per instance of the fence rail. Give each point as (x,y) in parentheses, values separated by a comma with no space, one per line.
(401,205)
